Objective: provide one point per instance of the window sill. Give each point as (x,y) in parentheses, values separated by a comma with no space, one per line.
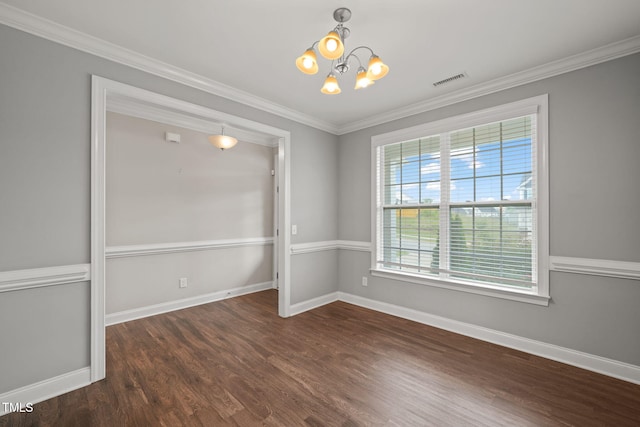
(490,291)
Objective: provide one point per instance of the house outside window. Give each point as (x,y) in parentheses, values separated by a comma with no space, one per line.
(462,203)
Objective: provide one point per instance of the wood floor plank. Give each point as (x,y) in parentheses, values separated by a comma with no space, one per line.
(236,363)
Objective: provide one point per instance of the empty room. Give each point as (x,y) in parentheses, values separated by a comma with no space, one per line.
(419,213)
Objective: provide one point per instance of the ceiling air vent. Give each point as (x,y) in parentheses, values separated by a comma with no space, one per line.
(450,79)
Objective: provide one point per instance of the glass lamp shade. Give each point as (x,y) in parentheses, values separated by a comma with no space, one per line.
(377,69)
(362,80)
(330,86)
(222,142)
(307,62)
(331,47)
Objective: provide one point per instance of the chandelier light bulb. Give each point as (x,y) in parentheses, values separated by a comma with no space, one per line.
(377,69)
(330,86)
(307,62)
(362,81)
(332,45)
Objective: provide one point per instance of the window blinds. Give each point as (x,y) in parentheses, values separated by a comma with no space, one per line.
(461,205)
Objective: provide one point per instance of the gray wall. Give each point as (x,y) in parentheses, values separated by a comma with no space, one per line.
(594,175)
(164,192)
(45,95)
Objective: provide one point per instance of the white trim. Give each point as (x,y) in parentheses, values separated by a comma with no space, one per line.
(47,389)
(575,62)
(329,245)
(103,91)
(165,307)
(166,248)
(353,245)
(33,24)
(310,247)
(18,280)
(602,365)
(50,30)
(143,111)
(99,88)
(596,267)
(307,305)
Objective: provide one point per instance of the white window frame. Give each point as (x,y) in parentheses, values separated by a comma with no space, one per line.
(538,105)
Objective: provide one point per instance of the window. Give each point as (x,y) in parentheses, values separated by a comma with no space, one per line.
(462,203)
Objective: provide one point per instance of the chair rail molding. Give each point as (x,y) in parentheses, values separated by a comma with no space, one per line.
(596,267)
(329,245)
(165,248)
(17,280)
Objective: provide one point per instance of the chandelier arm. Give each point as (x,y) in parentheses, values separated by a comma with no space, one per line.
(360,47)
(352,53)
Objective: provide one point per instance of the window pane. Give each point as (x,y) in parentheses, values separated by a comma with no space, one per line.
(461,190)
(430,170)
(517,187)
(430,147)
(429,226)
(431,192)
(410,172)
(391,174)
(488,189)
(391,237)
(392,194)
(428,262)
(488,163)
(410,194)
(462,166)
(516,159)
(409,230)
(391,258)
(516,131)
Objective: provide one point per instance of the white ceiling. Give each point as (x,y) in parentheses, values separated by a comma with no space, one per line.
(252,45)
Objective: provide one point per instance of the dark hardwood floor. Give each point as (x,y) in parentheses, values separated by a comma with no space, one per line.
(235,362)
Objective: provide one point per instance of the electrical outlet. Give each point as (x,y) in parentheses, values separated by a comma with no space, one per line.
(294,230)
(183,282)
(365,281)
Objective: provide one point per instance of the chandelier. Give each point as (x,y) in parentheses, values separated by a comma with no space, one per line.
(332,47)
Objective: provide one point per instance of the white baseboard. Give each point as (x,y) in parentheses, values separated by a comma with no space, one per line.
(47,389)
(601,365)
(165,307)
(307,305)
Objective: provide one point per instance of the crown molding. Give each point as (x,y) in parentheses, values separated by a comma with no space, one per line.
(575,62)
(33,24)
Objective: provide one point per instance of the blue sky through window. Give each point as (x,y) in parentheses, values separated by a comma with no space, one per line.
(420,175)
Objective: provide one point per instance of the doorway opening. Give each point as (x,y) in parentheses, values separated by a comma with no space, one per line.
(110,96)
